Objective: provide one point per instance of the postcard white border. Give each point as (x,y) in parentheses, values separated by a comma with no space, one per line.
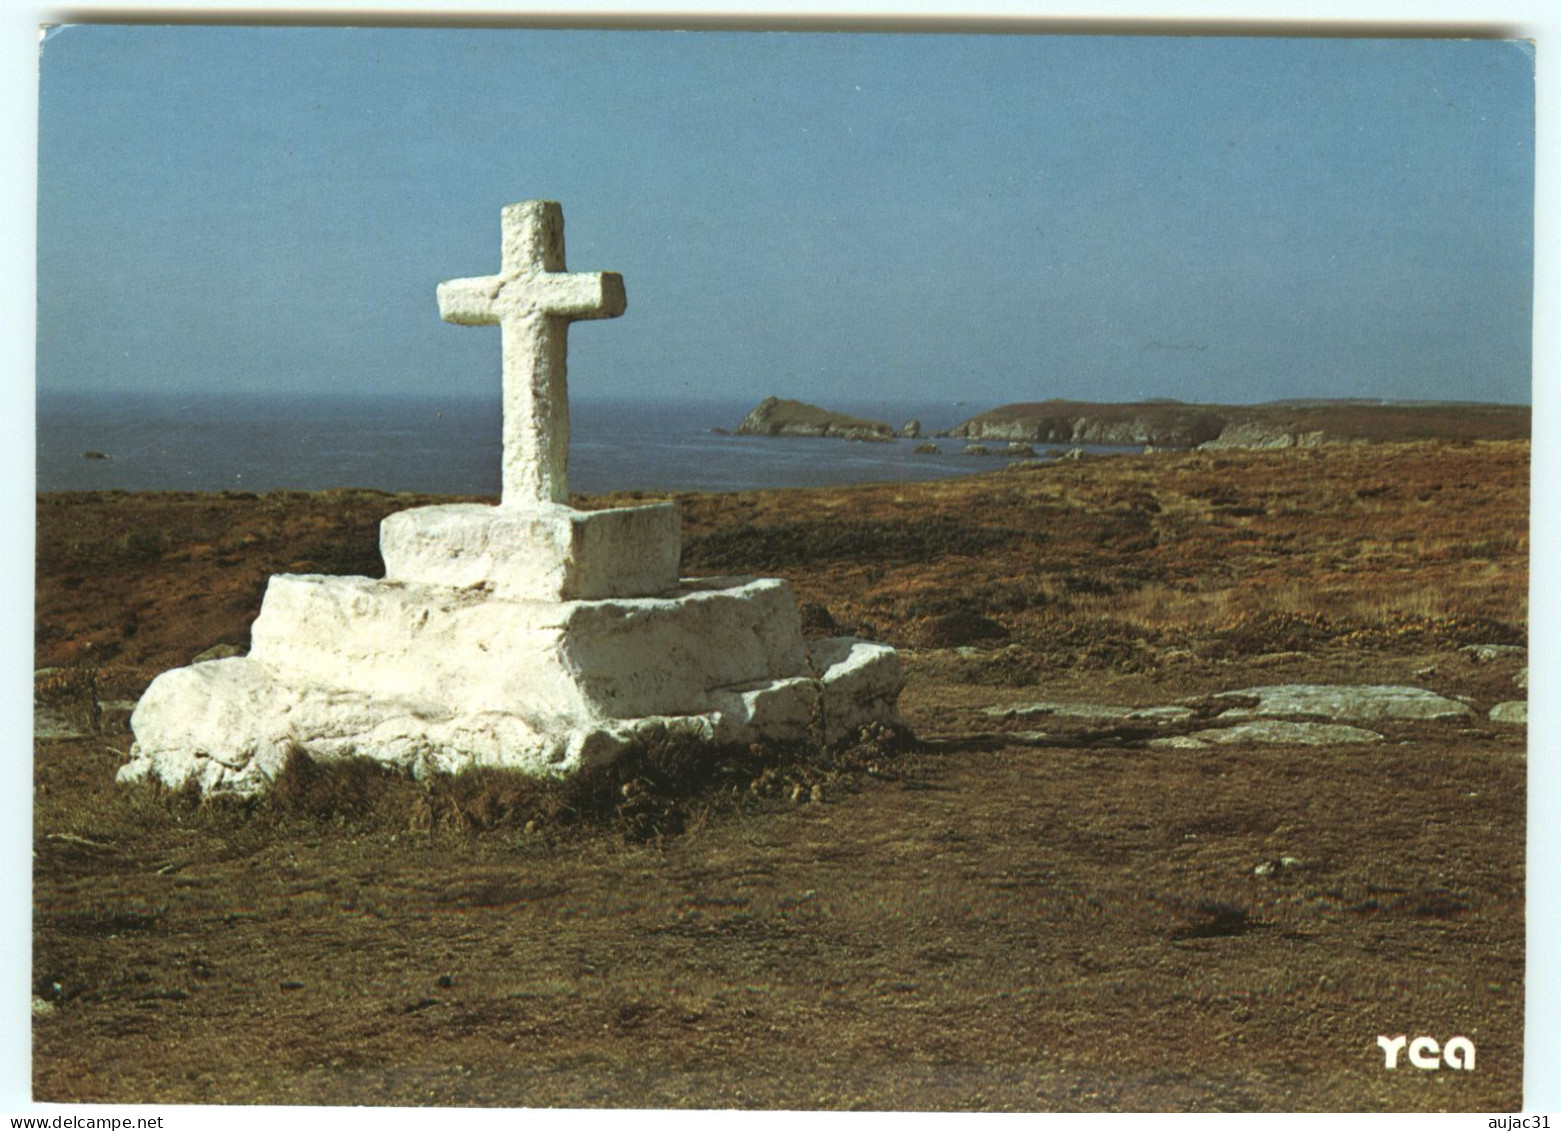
(1531,19)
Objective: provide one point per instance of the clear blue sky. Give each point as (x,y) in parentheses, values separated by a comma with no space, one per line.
(987,218)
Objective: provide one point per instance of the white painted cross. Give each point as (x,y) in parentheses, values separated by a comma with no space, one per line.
(533,299)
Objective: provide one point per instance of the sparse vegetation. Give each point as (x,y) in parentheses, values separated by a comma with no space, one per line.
(1228,555)
(995,919)
(656,789)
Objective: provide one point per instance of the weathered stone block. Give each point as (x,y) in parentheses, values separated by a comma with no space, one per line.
(230,725)
(544,553)
(471,652)
(861,684)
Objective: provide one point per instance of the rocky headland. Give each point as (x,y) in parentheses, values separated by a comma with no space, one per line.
(1168,424)
(1278,424)
(777,417)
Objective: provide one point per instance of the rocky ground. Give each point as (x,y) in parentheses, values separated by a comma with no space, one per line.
(1218,775)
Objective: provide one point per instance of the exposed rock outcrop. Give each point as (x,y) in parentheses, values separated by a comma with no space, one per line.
(1172,713)
(1279,732)
(1341,701)
(1485,653)
(1267,437)
(1514,711)
(1257,715)
(1013,450)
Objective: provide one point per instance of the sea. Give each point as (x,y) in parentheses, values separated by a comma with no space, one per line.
(442,445)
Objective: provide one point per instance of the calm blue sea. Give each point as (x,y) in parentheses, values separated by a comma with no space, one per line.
(450,446)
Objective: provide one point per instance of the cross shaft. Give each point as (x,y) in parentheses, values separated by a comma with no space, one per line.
(533,299)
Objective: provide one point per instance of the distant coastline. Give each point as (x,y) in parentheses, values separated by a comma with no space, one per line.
(1166,423)
(1277,424)
(450,445)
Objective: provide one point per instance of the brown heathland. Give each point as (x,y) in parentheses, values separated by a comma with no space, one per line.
(982,919)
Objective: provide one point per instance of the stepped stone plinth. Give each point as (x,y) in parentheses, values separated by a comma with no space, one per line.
(529,634)
(547,552)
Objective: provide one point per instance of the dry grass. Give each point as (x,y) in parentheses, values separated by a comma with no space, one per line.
(1364,543)
(977,926)
(1375,540)
(658,788)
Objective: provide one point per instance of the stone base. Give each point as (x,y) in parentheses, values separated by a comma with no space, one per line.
(432,678)
(544,553)
(861,683)
(468,651)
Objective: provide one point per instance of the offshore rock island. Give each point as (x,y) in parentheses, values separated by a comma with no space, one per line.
(776,417)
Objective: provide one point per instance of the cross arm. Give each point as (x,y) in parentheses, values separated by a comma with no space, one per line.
(488,299)
(471,302)
(597,294)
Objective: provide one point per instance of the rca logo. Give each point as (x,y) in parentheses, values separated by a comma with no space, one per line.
(1425,1054)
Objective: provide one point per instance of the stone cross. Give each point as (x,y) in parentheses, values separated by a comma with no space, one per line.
(533,299)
